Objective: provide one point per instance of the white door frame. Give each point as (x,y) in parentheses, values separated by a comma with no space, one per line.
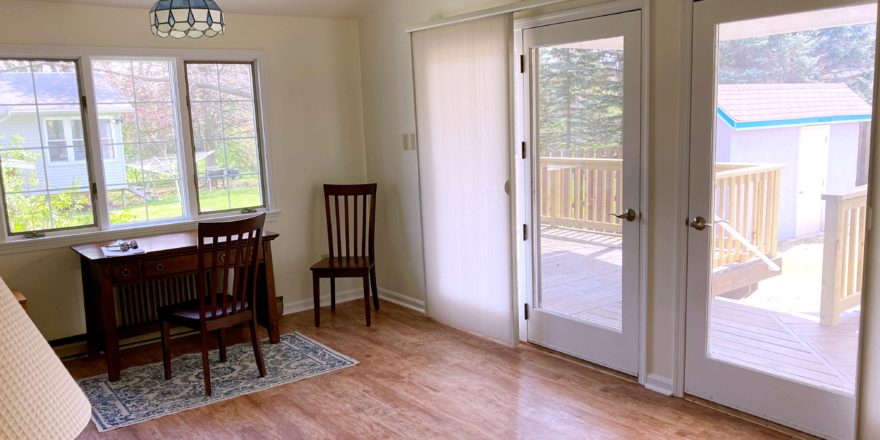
(689,80)
(524,257)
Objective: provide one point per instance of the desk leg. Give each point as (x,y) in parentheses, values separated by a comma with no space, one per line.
(91,305)
(108,320)
(267,273)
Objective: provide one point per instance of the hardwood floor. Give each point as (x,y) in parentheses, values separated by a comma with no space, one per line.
(420,379)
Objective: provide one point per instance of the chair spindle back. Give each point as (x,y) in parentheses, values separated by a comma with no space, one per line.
(355,224)
(228,254)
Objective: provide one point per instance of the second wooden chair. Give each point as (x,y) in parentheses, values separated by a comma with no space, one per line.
(352,246)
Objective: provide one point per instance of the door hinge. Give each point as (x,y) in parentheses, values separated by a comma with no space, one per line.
(525,232)
(83,101)
(526,311)
(522,64)
(94,189)
(524,149)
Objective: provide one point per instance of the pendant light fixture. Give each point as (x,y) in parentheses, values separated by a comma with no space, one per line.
(187,18)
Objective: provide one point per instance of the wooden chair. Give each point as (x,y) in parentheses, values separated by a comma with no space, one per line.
(352,251)
(226,282)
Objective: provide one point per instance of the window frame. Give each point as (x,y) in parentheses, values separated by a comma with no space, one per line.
(6,225)
(102,229)
(258,124)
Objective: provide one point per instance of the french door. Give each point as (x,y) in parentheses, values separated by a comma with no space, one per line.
(584,83)
(780,111)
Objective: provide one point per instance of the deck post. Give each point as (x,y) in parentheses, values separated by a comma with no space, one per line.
(830,262)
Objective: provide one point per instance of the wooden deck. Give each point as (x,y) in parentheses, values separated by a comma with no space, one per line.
(581,278)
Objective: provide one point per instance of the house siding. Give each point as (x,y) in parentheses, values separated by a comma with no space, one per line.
(60,175)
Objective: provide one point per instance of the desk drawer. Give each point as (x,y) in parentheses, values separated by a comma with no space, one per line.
(163,267)
(126,272)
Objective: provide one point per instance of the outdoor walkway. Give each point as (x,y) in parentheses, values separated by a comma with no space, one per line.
(581,277)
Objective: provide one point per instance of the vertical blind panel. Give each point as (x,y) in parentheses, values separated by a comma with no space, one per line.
(461,75)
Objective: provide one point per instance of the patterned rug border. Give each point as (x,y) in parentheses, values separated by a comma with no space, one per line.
(102,428)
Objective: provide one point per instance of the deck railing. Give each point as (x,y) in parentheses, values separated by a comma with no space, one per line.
(582,193)
(844,250)
(747,198)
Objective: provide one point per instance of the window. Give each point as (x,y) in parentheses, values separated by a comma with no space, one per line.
(176,140)
(224,118)
(65,139)
(145,186)
(35,98)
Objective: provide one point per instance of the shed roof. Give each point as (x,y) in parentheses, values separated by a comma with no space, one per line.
(745,106)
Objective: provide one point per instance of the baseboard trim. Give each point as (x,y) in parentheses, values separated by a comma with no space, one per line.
(76,346)
(402,300)
(659,384)
(354,295)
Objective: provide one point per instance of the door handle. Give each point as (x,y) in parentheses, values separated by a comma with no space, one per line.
(630,215)
(699,223)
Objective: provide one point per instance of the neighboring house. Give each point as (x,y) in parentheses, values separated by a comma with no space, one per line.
(818,132)
(59,127)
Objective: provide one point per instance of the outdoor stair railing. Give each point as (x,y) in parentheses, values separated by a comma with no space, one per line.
(844,249)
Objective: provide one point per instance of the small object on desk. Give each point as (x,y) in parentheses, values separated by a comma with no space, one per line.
(122,248)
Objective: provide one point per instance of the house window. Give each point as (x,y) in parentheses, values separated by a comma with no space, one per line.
(176,140)
(45,174)
(225,123)
(65,140)
(146,184)
(108,137)
(56,140)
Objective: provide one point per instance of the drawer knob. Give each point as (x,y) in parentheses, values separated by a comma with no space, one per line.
(126,272)
(160,267)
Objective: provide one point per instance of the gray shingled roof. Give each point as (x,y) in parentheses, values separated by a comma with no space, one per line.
(778,104)
(17,88)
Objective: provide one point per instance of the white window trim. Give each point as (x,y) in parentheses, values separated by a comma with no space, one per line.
(104,231)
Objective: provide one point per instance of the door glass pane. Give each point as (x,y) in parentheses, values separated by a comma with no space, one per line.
(792,133)
(580,141)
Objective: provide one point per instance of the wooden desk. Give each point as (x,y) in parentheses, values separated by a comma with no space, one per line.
(168,256)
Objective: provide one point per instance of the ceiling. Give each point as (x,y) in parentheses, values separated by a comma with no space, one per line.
(299,8)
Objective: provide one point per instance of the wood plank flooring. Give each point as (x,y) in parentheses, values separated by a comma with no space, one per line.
(420,379)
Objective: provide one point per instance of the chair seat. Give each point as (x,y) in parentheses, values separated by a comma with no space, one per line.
(343,263)
(189,310)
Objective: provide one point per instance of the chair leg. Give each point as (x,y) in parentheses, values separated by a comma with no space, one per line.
(316,291)
(221,344)
(206,366)
(375,288)
(166,349)
(258,352)
(367,298)
(333,293)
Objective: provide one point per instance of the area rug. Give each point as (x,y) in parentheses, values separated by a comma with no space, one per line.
(142,393)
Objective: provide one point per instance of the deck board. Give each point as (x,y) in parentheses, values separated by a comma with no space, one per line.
(581,277)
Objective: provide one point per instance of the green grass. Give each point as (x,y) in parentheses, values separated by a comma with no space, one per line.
(169,207)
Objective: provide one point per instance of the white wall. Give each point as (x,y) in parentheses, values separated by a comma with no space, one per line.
(388,110)
(313,113)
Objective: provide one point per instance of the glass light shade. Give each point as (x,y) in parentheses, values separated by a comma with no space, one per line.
(187,18)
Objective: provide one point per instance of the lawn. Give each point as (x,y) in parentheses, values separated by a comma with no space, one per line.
(169,205)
